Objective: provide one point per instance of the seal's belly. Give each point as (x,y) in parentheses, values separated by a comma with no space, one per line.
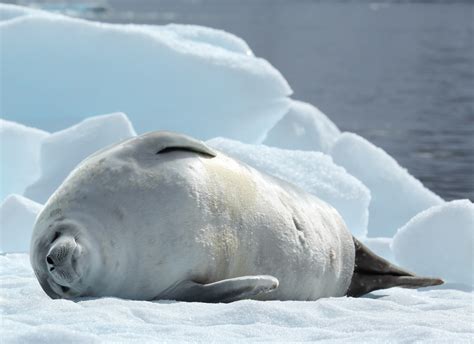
(256,224)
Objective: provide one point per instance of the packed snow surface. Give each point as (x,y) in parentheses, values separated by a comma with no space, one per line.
(20,151)
(17,217)
(439,242)
(396,195)
(200,81)
(62,151)
(314,172)
(394,315)
(303,127)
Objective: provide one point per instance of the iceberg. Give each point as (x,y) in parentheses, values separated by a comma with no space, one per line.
(17,217)
(62,151)
(20,151)
(397,196)
(439,242)
(303,127)
(198,81)
(314,172)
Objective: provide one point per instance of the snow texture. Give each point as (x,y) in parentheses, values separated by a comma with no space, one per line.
(8,12)
(303,127)
(62,151)
(17,217)
(314,172)
(395,315)
(19,150)
(202,82)
(205,35)
(396,195)
(439,242)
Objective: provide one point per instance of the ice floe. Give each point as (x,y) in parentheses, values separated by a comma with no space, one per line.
(303,127)
(439,242)
(63,150)
(20,151)
(203,82)
(396,195)
(17,217)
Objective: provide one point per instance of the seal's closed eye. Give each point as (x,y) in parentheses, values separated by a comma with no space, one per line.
(182,149)
(166,141)
(56,235)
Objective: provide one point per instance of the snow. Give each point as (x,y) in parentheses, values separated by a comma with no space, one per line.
(314,172)
(17,217)
(303,127)
(394,315)
(202,82)
(396,195)
(8,12)
(19,149)
(439,242)
(206,35)
(63,150)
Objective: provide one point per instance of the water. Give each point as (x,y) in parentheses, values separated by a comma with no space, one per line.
(401,75)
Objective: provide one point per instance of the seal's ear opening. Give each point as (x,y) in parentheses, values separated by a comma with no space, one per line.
(372,272)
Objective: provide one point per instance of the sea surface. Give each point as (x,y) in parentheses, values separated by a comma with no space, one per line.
(399,74)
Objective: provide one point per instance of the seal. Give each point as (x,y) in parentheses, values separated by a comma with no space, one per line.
(163,216)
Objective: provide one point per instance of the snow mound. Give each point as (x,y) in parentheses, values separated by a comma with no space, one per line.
(20,150)
(312,171)
(303,127)
(8,12)
(202,82)
(17,217)
(62,151)
(439,242)
(396,195)
(381,246)
(408,316)
(207,36)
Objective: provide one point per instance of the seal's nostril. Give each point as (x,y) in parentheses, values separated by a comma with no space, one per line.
(49,260)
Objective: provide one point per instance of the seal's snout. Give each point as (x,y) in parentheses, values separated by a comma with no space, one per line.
(61,251)
(61,259)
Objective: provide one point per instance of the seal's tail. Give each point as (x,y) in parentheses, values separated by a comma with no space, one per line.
(372,272)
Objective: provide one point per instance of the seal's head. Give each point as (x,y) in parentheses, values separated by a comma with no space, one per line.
(64,258)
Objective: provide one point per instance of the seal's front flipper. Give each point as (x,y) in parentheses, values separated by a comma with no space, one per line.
(228,290)
(372,272)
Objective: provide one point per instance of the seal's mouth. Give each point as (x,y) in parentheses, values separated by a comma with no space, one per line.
(62,253)
(62,262)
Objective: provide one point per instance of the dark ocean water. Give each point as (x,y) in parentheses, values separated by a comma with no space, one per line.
(401,75)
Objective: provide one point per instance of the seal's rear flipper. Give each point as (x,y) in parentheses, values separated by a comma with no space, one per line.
(228,290)
(372,272)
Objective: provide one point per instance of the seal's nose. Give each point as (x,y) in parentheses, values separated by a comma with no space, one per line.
(57,257)
(50,260)
(60,253)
